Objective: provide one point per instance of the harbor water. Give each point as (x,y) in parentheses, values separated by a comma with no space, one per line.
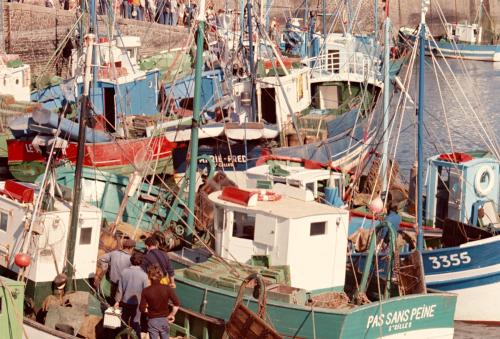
(481,84)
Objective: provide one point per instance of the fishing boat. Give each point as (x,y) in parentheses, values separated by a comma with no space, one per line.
(461,41)
(347,68)
(122,156)
(45,235)
(461,199)
(115,143)
(250,230)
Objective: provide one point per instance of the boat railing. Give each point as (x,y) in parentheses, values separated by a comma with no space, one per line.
(331,64)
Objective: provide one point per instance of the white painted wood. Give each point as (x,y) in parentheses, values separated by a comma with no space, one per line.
(16,81)
(290,220)
(51,231)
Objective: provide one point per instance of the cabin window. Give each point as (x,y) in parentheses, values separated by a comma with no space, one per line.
(318,228)
(85,235)
(321,186)
(310,187)
(4,220)
(220,218)
(243,225)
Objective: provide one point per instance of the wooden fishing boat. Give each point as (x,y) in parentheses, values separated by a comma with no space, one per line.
(122,156)
(461,199)
(457,45)
(250,230)
(460,41)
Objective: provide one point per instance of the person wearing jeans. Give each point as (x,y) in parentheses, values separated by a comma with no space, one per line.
(132,282)
(126,8)
(155,304)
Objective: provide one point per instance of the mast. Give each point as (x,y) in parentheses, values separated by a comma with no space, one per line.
(84,111)
(75,208)
(324,19)
(95,70)
(193,161)
(258,53)
(420,112)
(251,60)
(385,143)
(375,14)
(480,23)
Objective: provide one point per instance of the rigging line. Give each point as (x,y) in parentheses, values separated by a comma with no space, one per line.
(488,142)
(467,75)
(434,61)
(401,101)
(443,21)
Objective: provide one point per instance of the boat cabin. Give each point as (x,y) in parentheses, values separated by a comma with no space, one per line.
(343,58)
(463,187)
(15,77)
(51,229)
(464,32)
(324,184)
(288,227)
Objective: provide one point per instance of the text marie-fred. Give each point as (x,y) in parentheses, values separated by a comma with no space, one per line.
(401,319)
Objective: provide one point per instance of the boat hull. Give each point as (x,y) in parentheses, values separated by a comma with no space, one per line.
(120,156)
(472,271)
(466,51)
(397,317)
(446,49)
(237,156)
(105,191)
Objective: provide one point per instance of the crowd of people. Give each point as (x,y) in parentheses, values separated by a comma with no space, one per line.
(166,12)
(142,285)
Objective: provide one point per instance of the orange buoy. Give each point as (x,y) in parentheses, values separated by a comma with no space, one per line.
(22,260)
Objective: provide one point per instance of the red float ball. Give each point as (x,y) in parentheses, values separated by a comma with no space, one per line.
(22,260)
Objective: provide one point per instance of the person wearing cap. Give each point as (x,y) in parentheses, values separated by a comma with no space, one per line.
(155,301)
(130,286)
(157,256)
(115,262)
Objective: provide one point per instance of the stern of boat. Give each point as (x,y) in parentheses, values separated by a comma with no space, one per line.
(414,316)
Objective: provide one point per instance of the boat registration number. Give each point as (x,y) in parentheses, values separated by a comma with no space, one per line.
(445,261)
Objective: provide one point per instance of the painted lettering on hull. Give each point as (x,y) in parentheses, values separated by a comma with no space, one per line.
(401,319)
(225,161)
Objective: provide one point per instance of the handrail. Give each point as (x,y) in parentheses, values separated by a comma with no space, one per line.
(356,63)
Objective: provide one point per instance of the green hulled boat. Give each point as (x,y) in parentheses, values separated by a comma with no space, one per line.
(299,247)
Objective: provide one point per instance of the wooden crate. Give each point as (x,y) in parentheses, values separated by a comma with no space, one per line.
(246,324)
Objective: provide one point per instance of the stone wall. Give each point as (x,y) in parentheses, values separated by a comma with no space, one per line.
(35,32)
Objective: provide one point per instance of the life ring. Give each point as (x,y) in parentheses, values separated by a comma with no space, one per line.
(477,181)
(264,195)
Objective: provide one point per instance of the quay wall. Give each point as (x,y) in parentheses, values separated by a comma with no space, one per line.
(34,31)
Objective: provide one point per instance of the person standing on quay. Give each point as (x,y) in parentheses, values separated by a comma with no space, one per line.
(155,304)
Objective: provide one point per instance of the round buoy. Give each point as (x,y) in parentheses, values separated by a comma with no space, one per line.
(22,260)
(376,205)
